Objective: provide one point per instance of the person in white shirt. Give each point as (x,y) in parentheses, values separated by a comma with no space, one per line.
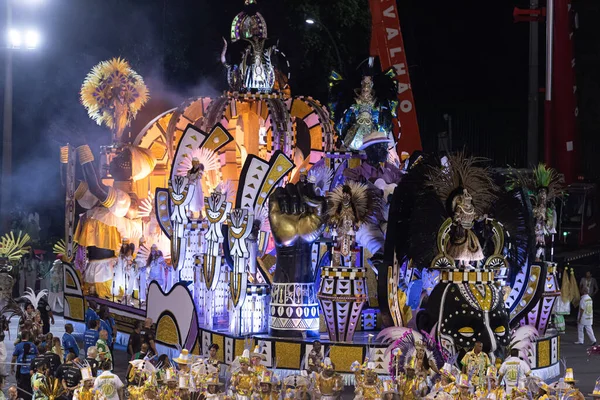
(585,318)
(514,371)
(109,384)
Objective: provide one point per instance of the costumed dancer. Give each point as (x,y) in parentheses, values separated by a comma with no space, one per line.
(328,383)
(256,361)
(381,176)
(447,380)
(157,268)
(184,372)
(475,363)
(390,391)
(514,370)
(194,175)
(121,271)
(492,391)
(315,357)
(268,389)
(369,386)
(544,392)
(596,393)
(297,387)
(213,388)
(243,381)
(413,386)
(86,390)
(170,390)
(56,293)
(464,387)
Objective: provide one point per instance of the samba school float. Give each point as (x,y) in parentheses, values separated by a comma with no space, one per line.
(262,219)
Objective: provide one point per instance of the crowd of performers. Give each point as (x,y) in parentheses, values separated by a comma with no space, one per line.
(131,274)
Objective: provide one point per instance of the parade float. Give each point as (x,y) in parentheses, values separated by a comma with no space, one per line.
(260,218)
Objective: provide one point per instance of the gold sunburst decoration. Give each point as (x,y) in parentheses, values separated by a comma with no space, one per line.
(14,248)
(108,82)
(60,248)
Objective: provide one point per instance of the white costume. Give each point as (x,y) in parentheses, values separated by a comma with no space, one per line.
(194,176)
(514,371)
(586,319)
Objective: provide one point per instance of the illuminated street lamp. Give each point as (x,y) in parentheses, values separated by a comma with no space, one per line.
(17,39)
(313,21)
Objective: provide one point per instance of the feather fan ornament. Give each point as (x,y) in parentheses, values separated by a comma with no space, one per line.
(208,158)
(467,173)
(12,248)
(103,84)
(52,388)
(321,177)
(146,206)
(523,339)
(60,248)
(357,196)
(34,298)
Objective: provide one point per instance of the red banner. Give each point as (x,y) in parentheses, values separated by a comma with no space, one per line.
(388,45)
(562,142)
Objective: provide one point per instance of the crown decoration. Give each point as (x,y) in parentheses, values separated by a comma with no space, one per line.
(13,249)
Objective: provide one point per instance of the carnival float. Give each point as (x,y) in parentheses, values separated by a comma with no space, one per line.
(259,218)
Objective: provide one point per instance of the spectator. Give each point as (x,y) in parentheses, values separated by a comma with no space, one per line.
(90,337)
(69,375)
(588,282)
(69,343)
(135,340)
(24,353)
(57,348)
(38,379)
(47,342)
(109,384)
(90,313)
(53,360)
(104,353)
(143,353)
(92,359)
(25,327)
(148,335)
(13,393)
(585,318)
(46,315)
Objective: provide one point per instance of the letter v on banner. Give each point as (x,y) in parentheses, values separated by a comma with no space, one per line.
(388,45)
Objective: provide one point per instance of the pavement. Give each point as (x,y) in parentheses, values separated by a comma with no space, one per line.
(586,369)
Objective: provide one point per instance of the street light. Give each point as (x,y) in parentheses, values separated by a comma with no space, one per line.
(313,21)
(17,39)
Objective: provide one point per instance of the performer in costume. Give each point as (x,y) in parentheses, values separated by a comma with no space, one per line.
(571,393)
(413,386)
(390,392)
(256,361)
(492,390)
(86,390)
(194,175)
(212,356)
(543,392)
(370,387)
(157,267)
(328,383)
(463,386)
(315,357)
(267,387)
(213,388)
(514,370)
(447,381)
(596,393)
(170,390)
(243,381)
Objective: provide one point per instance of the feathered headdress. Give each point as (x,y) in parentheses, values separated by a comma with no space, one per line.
(100,85)
(33,298)
(463,172)
(362,200)
(543,177)
(208,158)
(12,248)
(60,249)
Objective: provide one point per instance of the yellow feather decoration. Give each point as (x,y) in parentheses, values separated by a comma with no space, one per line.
(60,247)
(102,85)
(12,248)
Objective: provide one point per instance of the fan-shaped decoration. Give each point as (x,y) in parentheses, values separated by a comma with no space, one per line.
(362,200)
(321,176)
(208,158)
(113,93)
(146,206)
(60,249)
(33,298)
(52,389)
(12,248)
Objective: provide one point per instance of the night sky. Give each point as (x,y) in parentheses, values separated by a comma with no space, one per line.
(467,58)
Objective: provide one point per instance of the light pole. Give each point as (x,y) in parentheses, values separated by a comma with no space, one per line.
(17,39)
(312,21)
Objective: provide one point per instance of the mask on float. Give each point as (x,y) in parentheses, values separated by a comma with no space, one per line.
(464,313)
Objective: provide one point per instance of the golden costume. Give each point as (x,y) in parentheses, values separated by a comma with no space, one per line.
(243,384)
(87,394)
(328,383)
(412,388)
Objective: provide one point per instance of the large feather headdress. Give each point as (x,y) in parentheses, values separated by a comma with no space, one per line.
(363,201)
(99,87)
(463,172)
(12,248)
(208,158)
(34,298)
(543,177)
